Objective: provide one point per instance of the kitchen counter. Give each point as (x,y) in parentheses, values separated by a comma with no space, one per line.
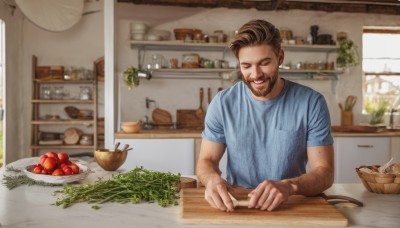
(180,133)
(30,206)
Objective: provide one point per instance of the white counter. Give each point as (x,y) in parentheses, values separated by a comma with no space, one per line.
(30,206)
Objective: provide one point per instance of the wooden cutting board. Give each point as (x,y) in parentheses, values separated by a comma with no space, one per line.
(188,119)
(297,211)
(358,129)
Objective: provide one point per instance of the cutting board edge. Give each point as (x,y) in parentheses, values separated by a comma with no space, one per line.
(271,222)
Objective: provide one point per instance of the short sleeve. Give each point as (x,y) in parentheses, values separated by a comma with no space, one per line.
(213,126)
(319,124)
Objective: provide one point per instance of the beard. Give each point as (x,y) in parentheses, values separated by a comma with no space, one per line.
(270,82)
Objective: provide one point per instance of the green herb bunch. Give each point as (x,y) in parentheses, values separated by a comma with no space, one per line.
(131,77)
(134,186)
(347,55)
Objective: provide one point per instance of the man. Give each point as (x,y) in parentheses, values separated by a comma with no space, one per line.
(270,128)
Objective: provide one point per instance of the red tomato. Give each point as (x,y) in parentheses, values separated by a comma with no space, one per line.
(52,155)
(74,167)
(42,158)
(63,157)
(67,170)
(57,172)
(37,169)
(49,164)
(44,172)
(62,165)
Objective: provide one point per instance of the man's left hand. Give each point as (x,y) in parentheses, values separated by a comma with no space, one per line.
(270,194)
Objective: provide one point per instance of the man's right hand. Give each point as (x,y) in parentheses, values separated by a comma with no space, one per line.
(217,195)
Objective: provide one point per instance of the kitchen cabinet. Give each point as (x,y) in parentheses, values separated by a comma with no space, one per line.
(352,152)
(209,73)
(54,125)
(163,155)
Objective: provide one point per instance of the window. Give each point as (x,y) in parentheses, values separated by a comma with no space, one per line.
(381,66)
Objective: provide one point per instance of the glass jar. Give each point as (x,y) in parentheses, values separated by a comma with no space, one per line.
(85,93)
(45,93)
(58,92)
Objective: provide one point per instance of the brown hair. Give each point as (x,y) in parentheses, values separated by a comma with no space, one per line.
(256,32)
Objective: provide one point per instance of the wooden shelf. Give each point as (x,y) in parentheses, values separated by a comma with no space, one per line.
(62,122)
(87,126)
(73,101)
(60,81)
(62,146)
(180,45)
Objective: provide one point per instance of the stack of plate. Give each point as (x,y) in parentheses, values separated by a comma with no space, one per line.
(138,30)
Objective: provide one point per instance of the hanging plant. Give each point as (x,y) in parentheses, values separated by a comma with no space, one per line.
(131,77)
(347,55)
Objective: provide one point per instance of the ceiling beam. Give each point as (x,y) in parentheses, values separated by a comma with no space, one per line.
(391,7)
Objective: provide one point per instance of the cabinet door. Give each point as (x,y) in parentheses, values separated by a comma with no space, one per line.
(164,155)
(352,152)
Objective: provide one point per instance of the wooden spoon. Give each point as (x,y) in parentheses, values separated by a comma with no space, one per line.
(116,146)
(200,110)
(125,147)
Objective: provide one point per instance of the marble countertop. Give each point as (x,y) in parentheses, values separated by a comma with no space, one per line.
(30,206)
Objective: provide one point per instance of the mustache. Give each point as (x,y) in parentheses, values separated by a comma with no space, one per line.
(260,78)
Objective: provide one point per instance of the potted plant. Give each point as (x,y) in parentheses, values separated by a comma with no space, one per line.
(377,110)
(347,55)
(131,77)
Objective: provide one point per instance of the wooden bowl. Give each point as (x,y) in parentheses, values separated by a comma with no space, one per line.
(131,127)
(110,160)
(72,112)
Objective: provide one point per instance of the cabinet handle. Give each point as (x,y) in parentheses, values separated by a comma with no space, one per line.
(365,146)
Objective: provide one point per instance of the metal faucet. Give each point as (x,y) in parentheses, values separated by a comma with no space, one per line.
(148,101)
(391,122)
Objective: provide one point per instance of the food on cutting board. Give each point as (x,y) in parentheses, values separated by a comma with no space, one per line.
(55,164)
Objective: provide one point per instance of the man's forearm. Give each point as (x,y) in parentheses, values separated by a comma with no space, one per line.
(312,183)
(207,170)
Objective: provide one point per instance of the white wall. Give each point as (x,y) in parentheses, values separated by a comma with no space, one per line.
(83,43)
(13,92)
(176,94)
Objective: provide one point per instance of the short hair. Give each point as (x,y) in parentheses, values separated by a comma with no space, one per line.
(256,32)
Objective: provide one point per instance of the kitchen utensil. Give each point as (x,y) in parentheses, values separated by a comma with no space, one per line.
(116,146)
(349,103)
(296,211)
(187,182)
(341,106)
(161,116)
(72,136)
(188,119)
(358,128)
(125,147)
(200,110)
(72,112)
(109,160)
(209,95)
(131,127)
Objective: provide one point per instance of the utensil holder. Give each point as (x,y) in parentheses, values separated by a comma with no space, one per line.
(346,118)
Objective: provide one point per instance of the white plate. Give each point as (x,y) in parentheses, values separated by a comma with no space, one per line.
(83,172)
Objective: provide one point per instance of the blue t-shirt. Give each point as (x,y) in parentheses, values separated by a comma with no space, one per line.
(267,140)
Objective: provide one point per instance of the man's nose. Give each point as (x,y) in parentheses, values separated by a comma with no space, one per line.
(256,72)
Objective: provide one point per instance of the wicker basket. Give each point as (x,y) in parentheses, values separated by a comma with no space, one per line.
(383,183)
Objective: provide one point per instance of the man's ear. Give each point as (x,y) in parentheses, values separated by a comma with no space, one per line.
(281,56)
